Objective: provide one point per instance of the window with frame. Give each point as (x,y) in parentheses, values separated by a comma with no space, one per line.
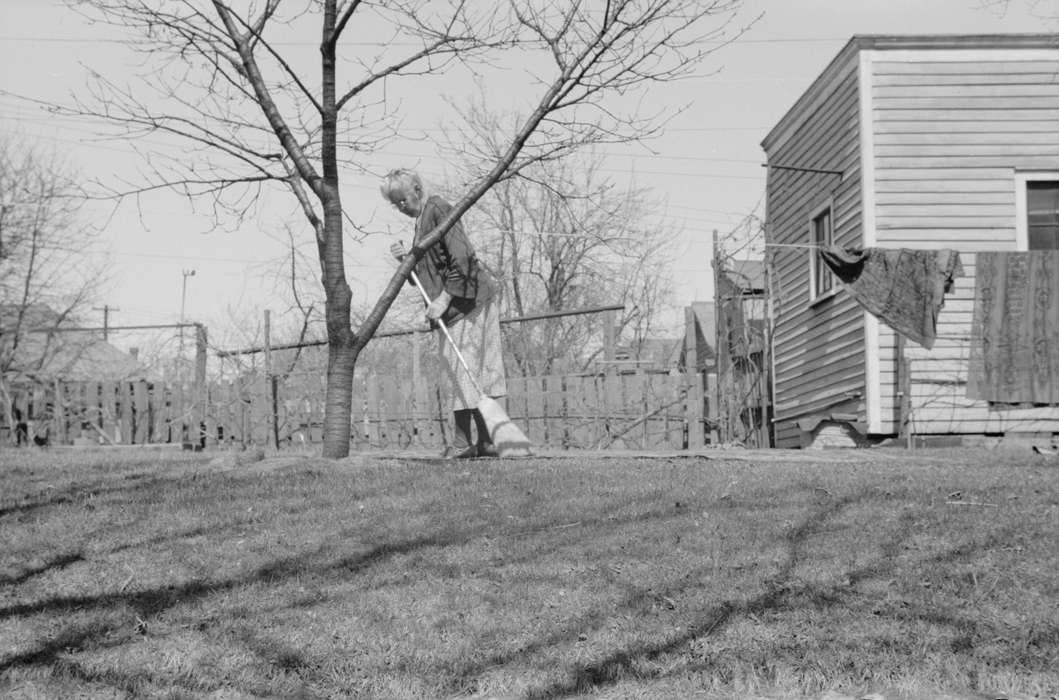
(1042,214)
(821,230)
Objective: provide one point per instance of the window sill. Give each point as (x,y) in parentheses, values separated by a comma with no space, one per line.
(823,298)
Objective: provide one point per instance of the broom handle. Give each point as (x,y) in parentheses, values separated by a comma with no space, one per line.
(445,330)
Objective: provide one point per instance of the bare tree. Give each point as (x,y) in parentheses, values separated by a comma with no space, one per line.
(250,116)
(562,236)
(46,276)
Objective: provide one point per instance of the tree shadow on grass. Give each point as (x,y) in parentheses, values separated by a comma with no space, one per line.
(146,604)
(616,665)
(78,492)
(60,562)
(780,594)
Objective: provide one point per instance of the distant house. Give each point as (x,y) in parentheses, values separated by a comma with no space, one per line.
(41,355)
(740,391)
(929,142)
(701,334)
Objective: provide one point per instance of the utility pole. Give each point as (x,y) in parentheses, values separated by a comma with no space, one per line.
(183,300)
(106,309)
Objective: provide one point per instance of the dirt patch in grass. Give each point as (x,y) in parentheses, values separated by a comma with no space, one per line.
(770,575)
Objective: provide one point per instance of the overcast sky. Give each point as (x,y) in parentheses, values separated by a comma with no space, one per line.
(707,167)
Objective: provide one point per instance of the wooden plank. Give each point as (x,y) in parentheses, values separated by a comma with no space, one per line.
(909,196)
(957,211)
(590,427)
(1001,67)
(261,419)
(656,396)
(996,125)
(216,405)
(958,176)
(240,396)
(640,392)
(613,404)
(892,81)
(372,411)
(94,400)
(209,412)
(158,432)
(966,141)
(535,408)
(390,410)
(573,398)
(971,92)
(125,410)
(517,405)
(57,415)
(141,416)
(959,153)
(554,423)
(985,239)
(884,113)
(696,408)
(1027,161)
(173,418)
(1035,105)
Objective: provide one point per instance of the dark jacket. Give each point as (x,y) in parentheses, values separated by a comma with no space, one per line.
(451,264)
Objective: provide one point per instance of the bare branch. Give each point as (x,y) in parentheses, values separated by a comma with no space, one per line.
(266,101)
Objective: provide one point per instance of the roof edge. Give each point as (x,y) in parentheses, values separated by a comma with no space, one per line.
(893,42)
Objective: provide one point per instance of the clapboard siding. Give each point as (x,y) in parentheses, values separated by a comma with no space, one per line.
(950,120)
(948,136)
(818,347)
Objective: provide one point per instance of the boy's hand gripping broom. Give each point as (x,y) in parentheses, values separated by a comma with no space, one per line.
(506,437)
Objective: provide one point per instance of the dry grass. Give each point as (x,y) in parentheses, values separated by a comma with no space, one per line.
(742,575)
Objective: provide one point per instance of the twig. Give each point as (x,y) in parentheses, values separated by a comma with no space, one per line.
(971,503)
(610,439)
(547,529)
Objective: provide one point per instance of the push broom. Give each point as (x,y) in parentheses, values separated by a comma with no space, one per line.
(506,437)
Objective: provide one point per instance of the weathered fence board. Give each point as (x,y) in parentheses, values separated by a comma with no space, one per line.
(640,409)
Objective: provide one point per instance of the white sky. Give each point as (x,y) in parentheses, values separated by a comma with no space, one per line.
(707,167)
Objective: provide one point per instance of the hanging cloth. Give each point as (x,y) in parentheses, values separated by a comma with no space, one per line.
(1015,328)
(903,288)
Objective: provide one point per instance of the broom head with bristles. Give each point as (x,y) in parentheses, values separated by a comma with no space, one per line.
(506,437)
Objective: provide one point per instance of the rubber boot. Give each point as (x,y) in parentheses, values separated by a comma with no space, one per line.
(461,447)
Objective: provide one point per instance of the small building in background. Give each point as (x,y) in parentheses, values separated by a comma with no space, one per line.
(927,143)
(61,383)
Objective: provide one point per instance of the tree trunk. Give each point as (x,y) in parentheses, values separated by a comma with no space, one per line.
(342,349)
(341,361)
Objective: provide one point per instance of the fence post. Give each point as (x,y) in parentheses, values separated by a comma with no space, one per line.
(609,324)
(272,420)
(417,431)
(200,384)
(904,402)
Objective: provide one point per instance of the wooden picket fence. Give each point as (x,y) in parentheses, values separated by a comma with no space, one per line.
(110,413)
(640,409)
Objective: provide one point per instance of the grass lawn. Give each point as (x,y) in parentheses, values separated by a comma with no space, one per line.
(766,575)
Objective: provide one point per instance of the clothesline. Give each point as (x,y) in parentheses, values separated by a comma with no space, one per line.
(811,246)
